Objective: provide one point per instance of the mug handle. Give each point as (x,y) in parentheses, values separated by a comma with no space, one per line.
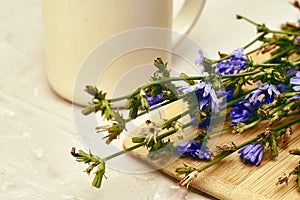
(186,19)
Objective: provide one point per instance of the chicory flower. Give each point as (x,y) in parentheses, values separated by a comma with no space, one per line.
(236,63)
(154,100)
(193,149)
(266,93)
(205,94)
(252,154)
(241,112)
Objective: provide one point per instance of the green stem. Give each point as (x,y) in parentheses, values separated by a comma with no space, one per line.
(265,65)
(216,160)
(291,94)
(260,47)
(255,40)
(241,74)
(166,134)
(247,19)
(287,124)
(166,80)
(245,47)
(267,30)
(225,154)
(285,32)
(277,55)
(218,130)
(251,125)
(292,114)
(124,151)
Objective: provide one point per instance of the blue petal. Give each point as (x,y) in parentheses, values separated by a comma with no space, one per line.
(296,88)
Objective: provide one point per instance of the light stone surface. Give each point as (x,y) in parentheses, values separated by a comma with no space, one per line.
(37,128)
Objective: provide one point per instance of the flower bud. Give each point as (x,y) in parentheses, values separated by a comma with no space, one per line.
(99,175)
(295,151)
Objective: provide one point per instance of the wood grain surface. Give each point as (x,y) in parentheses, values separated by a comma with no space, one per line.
(231,178)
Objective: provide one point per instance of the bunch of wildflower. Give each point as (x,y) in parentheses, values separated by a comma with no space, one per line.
(273,96)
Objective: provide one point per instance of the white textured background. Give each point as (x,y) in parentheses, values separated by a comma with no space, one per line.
(37,128)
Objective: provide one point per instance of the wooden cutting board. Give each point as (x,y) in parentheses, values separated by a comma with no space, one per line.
(231,178)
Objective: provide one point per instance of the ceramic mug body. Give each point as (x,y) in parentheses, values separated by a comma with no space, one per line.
(73,28)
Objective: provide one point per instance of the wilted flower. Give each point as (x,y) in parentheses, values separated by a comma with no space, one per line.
(154,100)
(252,153)
(266,93)
(234,64)
(194,149)
(241,112)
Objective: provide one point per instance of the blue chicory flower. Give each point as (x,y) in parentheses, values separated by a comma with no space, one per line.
(252,154)
(236,63)
(205,94)
(296,81)
(154,100)
(241,112)
(239,53)
(193,149)
(267,94)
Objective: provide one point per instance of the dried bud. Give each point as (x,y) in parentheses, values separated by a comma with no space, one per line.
(222,55)
(226,147)
(187,179)
(296,4)
(287,135)
(284,178)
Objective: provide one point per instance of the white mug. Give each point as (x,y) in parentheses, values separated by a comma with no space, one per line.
(73,28)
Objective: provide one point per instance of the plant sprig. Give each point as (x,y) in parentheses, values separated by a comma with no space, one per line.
(246,93)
